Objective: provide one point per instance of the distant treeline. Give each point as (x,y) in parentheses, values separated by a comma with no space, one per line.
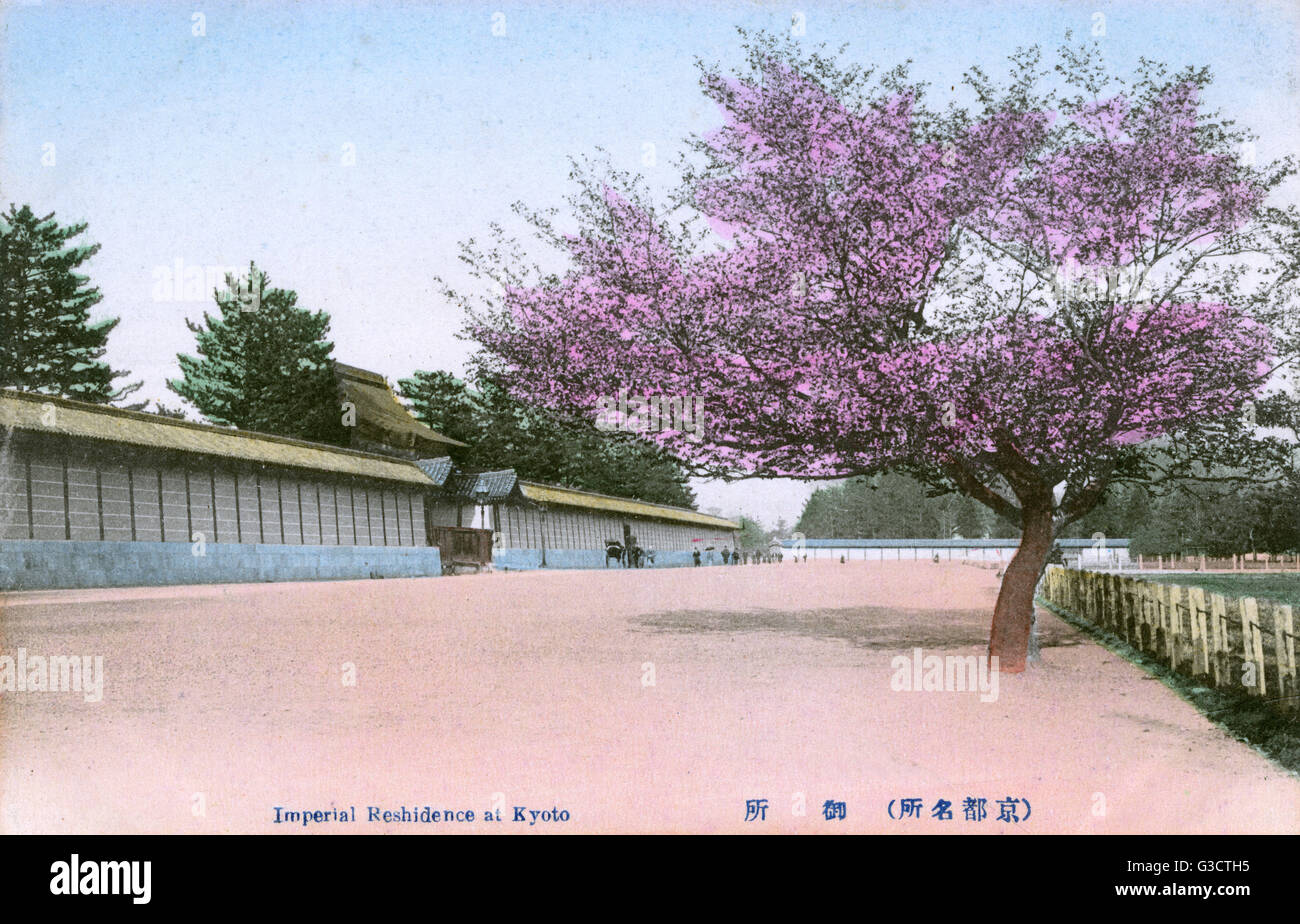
(1199,518)
(1189,519)
(896,506)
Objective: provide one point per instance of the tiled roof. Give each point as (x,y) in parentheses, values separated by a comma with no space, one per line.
(505,485)
(26,411)
(437,469)
(496,486)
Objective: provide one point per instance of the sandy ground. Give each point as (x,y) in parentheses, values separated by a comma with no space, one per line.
(530,689)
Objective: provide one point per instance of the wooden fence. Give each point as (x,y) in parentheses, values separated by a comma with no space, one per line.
(1250,561)
(1237,643)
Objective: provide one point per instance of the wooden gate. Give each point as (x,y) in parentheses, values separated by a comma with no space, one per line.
(462,547)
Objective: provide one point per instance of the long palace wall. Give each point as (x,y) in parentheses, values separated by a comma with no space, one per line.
(576,537)
(575,528)
(77,513)
(59,489)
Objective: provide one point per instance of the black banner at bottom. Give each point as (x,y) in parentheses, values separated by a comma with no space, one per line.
(145,874)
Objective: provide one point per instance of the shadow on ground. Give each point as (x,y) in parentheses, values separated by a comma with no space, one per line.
(875,627)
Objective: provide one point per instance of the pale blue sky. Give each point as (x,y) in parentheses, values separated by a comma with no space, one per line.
(228,146)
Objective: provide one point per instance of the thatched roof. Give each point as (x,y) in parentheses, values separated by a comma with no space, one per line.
(381,418)
(568,497)
(505,485)
(27,411)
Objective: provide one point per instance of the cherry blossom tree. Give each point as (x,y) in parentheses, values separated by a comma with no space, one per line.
(1073,283)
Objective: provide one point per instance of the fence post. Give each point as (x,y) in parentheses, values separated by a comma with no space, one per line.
(1202,561)
(1159,617)
(1218,636)
(1131,607)
(1284,641)
(1173,624)
(1121,606)
(1139,612)
(1150,617)
(1140,563)
(1200,643)
(1139,605)
(1251,643)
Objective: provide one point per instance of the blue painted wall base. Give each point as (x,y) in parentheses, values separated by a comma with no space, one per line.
(53,564)
(43,565)
(562,559)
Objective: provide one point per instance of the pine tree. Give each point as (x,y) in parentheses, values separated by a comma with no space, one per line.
(265,364)
(540,446)
(48,343)
(752,536)
(444,403)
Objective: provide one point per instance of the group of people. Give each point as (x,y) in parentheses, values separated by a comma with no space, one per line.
(630,555)
(740,556)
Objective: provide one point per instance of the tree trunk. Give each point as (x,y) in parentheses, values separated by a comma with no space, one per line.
(1014,613)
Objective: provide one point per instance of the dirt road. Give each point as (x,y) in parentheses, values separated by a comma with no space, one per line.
(667,700)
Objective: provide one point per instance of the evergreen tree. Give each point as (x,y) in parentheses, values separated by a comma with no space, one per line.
(751,537)
(895,506)
(163,410)
(541,446)
(1194,517)
(265,364)
(48,343)
(443,402)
